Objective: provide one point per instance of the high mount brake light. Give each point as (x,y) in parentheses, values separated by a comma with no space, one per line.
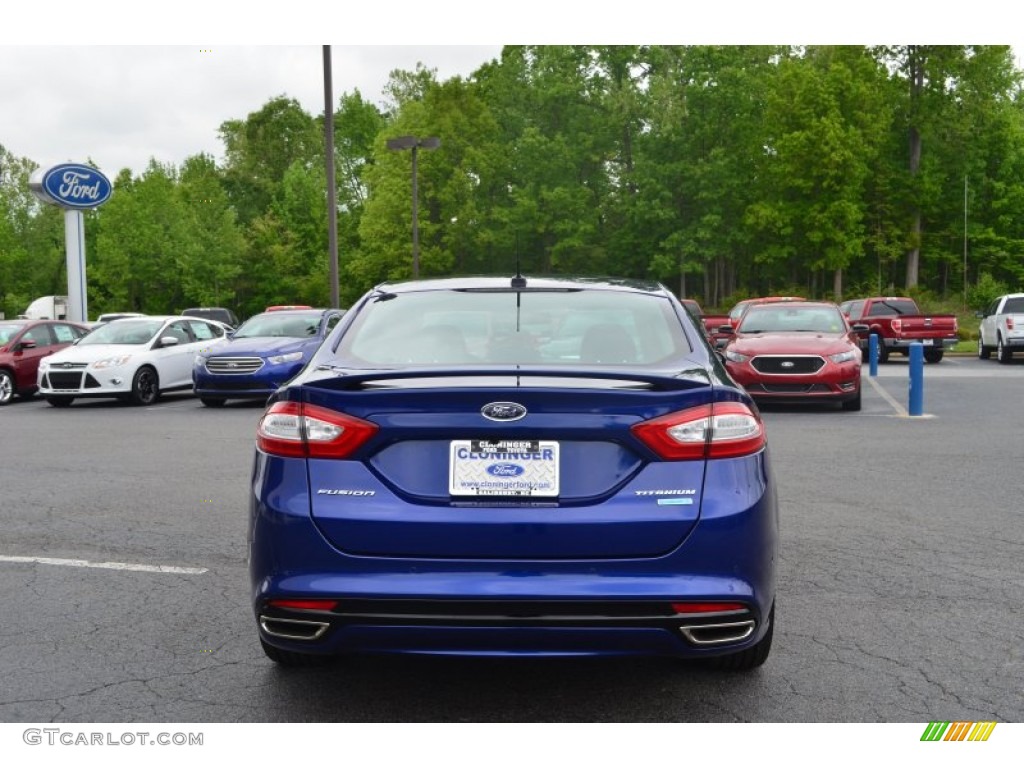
(298,430)
(713,431)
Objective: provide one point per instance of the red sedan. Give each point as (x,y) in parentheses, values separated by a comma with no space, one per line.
(796,351)
(23,343)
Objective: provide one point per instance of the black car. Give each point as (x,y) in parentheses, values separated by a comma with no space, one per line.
(219,314)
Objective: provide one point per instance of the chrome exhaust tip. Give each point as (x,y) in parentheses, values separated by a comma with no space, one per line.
(718,634)
(293,629)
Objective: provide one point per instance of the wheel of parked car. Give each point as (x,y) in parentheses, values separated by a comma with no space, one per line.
(1003,353)
(752,657)
(852,405)
(145,386)
(60,401)
(6,387)
(883,351)
(212,402)
(933,355)
(293,659)
(983,352)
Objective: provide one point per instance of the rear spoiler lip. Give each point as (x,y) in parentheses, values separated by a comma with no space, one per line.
(665,379)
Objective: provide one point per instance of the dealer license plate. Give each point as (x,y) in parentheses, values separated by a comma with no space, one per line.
(503,468)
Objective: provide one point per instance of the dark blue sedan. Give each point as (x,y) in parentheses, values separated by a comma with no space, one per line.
(513,466)
(266,351)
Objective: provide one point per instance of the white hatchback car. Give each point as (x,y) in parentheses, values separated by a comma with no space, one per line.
(134,359)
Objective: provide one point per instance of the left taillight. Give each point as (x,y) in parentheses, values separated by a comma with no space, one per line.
(303,431)
(713,431)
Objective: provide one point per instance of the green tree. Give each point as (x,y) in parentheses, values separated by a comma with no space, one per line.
(209,261)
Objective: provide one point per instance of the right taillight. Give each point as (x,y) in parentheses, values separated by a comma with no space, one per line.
(713,431)
(298,430)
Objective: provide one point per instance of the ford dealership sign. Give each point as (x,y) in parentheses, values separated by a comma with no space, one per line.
(71,186)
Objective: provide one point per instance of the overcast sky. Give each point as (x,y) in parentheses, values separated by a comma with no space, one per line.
(120,82)
(122,105)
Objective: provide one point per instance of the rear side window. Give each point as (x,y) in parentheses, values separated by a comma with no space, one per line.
(1014,306)
(65,334)
(506,327)
(204,331)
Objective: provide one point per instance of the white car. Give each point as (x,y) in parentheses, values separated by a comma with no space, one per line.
(134,359)
(1002,328)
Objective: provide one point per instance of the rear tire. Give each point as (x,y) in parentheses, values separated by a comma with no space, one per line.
(933,355)
(752,657)
(293,659)
(60,401)
(212,402)
(1003,353)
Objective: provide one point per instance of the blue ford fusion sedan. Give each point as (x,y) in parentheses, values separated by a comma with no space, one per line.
(265,352)
(514,466)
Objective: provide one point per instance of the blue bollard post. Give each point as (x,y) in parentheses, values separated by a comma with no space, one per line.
(916,402)
(873,355)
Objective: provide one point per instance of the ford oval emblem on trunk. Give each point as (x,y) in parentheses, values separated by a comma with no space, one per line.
(503,411)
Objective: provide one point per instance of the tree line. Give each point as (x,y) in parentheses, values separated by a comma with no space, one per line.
(722,171)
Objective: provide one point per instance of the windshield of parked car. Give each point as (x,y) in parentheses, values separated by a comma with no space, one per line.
(298,325)
(776,318)
(8,331)
(556,327)
(126,331)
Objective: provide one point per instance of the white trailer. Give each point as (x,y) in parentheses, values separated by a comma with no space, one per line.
(48,308)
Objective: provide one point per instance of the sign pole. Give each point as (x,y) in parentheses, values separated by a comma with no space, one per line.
(74,247)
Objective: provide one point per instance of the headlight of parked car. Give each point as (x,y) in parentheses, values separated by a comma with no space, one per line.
(843,357)
(289,358)
(111,362)
(735,357)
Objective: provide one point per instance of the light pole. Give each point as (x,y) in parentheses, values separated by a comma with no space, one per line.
(332,188)
(415,143)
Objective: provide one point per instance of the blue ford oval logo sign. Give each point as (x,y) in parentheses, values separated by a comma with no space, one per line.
(76,186)
(503,411)
(505,470)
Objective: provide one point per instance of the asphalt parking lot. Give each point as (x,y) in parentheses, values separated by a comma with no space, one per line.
(124,595)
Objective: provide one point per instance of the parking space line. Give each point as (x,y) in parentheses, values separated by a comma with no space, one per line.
(900,410)
(107,566)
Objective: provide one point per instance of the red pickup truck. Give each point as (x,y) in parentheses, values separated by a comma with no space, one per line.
(711,323)
(898,323)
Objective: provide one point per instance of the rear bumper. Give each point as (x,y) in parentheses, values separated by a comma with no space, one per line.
(944,344)
(516,607)
(502,633)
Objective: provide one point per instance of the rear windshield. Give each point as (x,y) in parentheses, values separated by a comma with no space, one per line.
(530,327)
(1014,306)
(893,307)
